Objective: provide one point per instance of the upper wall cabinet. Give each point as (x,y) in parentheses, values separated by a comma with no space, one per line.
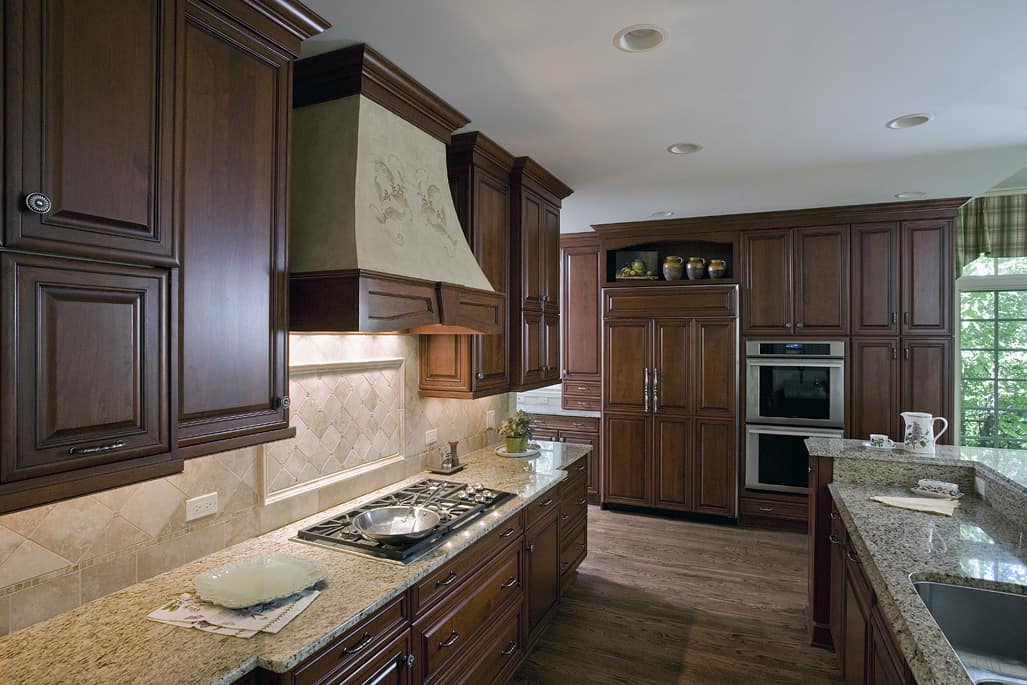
(90,131)
(795,281)
(472,366)
(875,286)
(582,322)
(534,298)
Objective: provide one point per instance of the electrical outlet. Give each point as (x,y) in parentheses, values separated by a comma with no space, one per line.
(198,507)
(490,419)
(431,437)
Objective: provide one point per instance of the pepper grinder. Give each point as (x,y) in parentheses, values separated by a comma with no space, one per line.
(453,458)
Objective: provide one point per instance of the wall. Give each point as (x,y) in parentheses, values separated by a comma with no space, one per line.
(56,557)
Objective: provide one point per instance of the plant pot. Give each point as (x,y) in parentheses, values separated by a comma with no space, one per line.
(518,444)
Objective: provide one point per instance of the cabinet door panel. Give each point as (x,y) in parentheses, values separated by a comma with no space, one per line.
(89,109)
(672,458)
(593,459)
(627,360)
(926,278)
(582,356)
(716,367)
(490,244)
(822,279)
(90,343)
(875,387)
(552,355)
(672,374)
(767,281)
(875,279)
(533,347)
(532,258)
(551,259)
(855,651)
(235,94)
(716,474)
(626,473)
(387,667)
(927,380)
(542,560)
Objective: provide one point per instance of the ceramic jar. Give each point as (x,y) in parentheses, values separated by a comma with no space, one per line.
(673,268)
(696,268)
(717,268)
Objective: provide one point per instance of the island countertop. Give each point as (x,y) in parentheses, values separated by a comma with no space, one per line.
(110,640)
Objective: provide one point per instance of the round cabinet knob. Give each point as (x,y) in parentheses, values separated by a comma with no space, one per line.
(798,325)
(788,325)
(410,660)
(480,376)
(38,203)
(284,402)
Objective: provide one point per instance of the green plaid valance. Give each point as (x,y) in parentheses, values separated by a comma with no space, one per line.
(995,226)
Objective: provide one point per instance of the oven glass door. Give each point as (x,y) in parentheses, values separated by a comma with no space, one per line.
(786,392)
(777,459)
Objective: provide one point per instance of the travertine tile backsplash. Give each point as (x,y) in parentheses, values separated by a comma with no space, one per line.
(56,557)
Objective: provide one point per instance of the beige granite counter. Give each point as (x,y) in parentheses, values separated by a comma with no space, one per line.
(110,641)
(981,545)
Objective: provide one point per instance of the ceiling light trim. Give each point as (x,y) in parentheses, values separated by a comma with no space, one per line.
(909,121)
(640,38)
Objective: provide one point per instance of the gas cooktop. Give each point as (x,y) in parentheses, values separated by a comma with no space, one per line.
(458,504)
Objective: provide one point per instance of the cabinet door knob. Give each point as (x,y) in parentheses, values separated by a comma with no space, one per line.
(798,325)
(480,376)
(38,203)
(905,318)
(410,661)
(788,325)
(284,402)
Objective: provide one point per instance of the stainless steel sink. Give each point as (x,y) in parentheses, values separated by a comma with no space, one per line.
(988,629)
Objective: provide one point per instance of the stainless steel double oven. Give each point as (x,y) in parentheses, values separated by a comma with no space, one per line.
(794,390)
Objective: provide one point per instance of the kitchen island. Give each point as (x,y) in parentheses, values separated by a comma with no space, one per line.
(111,641)
(889,548)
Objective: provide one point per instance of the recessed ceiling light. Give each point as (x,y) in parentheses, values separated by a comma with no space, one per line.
(684,148)
(662,215)
(910,120)
(639,37)
(910,195)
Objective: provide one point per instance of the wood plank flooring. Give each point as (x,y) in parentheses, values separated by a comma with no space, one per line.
(669,602)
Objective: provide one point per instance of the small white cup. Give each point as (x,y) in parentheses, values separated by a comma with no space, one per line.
(880,440)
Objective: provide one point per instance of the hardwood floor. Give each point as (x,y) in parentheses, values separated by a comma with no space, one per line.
(694,603)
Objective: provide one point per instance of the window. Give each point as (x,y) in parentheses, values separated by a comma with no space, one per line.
(993,353)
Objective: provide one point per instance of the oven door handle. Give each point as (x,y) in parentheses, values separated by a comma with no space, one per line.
(798,361)
(805,432)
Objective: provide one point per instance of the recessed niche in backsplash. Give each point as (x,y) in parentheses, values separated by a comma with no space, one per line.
(58,556)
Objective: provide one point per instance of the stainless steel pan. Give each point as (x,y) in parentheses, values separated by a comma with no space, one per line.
(396,525)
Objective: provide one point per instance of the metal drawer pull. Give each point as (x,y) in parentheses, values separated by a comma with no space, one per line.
(448,581)
(510,582)
(547,502)
(852,557)
(582,467)
(583,388)
(453,637)
(834,539)
(564,517)
(38,203)
(766,508)
(835,515)
(410,661)
(510,649)
(645,390)
(78,451)
(579,424)
(656,391)
(582,502)
(360,646)
(531,547)
(507,533)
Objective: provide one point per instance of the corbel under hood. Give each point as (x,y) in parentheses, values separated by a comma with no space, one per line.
(375,245)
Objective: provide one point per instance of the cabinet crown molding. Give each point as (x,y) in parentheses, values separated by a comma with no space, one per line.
(476,147)
(526,170)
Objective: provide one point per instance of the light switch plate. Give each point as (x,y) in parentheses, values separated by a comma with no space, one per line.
(490,419)
(431,436)
(198,507)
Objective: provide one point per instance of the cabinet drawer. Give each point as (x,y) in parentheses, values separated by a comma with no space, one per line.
(581,403)
(450,629)
(670,301)
(573,498)
(357,645)
(856,576)
(755,507)
(497,653)
(581,389)
(548,503)
(451,575)
(578,467)
(585,424)
(573,547)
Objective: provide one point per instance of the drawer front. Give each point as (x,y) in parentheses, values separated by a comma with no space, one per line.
(584,424)
(357,645)
(573,547)
(574,498)
(497,654)
(581,388)
(451,575)
(450,629)
(572,402)
(670,301)
(767,508)
(548,503)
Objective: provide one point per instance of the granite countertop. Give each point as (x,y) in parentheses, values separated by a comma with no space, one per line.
(110,640)
(977,546)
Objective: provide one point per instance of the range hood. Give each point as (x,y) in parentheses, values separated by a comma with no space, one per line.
(375,245)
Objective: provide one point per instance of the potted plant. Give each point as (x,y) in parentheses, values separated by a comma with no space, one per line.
(517,431)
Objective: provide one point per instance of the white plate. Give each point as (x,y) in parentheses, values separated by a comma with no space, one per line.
(874,447)
(934,495)
(533,451)
(256,580)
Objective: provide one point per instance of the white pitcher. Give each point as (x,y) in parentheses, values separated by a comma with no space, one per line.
(919,435)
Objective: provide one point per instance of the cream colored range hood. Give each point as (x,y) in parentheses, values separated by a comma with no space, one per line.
(375,244)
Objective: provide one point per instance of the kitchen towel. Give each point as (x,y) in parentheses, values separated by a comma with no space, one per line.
(189,611)
(931,506)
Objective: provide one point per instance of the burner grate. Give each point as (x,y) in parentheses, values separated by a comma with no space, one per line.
(457,505)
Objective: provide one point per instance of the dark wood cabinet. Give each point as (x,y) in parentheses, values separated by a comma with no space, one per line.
(875,285)
(541,570)
(796,281)
(581,430)
(90,128)
(473,366)
(926,275)
(86,378)
(234,105)
(582,322)
(856,620)
(389,666)
(670,402)
(534,298)
(926,380)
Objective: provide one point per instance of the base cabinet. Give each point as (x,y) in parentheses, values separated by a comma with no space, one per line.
(579,430)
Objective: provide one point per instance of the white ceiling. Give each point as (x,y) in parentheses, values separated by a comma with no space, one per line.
(788,97)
